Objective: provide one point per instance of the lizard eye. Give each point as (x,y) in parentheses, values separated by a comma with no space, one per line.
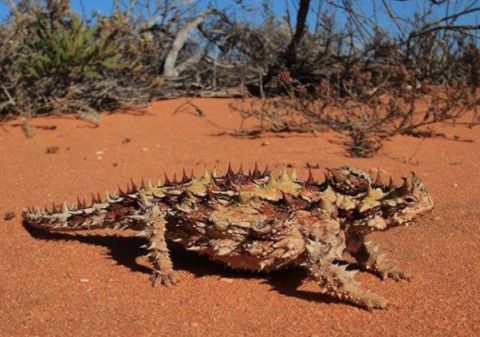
(409,200)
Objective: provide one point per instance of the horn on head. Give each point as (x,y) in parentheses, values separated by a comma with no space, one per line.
(337,175)
(407,185)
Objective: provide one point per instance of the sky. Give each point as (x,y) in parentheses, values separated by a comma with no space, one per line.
(404,8)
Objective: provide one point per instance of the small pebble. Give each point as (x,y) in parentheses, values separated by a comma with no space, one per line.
(265,143)
(99,153)
(144,149)
(227,280)
(52,149)
(9,216)
(84,280)
(455,185)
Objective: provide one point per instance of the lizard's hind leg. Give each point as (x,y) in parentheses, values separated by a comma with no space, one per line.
(337,281)
(158,254)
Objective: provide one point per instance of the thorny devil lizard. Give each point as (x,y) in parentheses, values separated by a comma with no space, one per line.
(258,221)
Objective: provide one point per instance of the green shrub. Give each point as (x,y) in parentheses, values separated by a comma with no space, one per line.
(52,62)
(69,52)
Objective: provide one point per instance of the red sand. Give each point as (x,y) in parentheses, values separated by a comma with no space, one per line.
(96,284)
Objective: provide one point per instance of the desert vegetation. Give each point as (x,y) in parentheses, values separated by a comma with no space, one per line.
(312,66)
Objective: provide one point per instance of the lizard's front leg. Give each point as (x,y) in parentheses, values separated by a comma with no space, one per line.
(371,259)
(337,281)
(158,254)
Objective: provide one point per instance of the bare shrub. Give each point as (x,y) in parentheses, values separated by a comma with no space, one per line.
(368,115)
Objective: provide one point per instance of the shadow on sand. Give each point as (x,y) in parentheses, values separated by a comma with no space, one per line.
(125,251)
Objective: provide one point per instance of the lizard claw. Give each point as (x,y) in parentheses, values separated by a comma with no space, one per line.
(396,274)
(373,301)
(367,300)
(165,279)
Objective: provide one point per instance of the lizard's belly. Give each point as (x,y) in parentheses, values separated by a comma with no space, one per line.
(245,252)
(240,238)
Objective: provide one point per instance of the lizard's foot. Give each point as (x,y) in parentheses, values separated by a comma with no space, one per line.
(395,273)
(165,279)
(370,301)
(341,283)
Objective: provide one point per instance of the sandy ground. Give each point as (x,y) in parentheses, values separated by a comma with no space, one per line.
(96,284)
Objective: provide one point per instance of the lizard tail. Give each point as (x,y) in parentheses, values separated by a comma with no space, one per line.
(112,213)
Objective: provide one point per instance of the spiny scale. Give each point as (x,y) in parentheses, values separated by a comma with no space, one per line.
(229,173)
(184,177)
(240,171)
(310,180)
(256,172)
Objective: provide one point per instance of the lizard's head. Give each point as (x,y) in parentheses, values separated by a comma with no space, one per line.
(402,204)
(382,205)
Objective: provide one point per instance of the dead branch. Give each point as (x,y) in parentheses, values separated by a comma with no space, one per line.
(170,70)
(291,52)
